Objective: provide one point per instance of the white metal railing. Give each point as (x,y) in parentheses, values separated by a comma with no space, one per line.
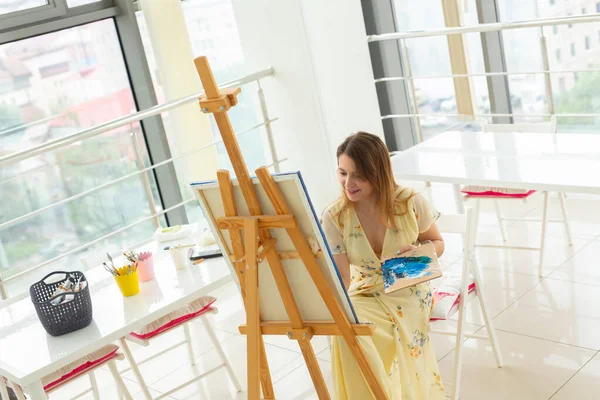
(141,172)
(481,28)
(489,115)
(485,74)
(123,121)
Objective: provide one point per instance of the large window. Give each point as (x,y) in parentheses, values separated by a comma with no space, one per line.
(514,60)
(70,80)
(569,94)
(82,67)
(52,86)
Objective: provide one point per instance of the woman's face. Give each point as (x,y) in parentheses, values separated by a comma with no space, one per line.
(356,187)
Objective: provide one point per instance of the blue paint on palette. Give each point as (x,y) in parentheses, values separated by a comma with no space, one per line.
(405,268)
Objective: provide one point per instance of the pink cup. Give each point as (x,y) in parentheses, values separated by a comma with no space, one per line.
(146,266)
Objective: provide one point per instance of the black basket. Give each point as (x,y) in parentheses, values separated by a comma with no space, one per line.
(66,317)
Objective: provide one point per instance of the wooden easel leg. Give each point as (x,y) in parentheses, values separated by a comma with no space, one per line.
(265,373)
(252,307)
(226,188)
(313,368)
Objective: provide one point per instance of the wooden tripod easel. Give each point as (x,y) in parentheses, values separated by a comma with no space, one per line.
(252,242)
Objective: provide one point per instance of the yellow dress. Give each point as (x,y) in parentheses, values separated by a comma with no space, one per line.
(400,351)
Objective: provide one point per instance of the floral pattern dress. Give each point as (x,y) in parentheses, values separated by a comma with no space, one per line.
(400,351)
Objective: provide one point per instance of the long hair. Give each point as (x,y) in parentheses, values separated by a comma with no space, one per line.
(372,160)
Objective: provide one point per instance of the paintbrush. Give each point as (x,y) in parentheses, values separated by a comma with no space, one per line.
(131,256)
(179,246)
(112,263)
(110,259)
(112,270)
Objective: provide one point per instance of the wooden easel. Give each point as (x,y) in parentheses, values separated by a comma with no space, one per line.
(256,244)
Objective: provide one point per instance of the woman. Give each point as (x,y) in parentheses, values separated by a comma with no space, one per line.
(376,219)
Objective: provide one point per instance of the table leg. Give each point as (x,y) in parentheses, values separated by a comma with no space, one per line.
(543,241)
(458,198)
(36,391)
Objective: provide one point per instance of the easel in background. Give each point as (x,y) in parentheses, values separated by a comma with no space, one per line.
(252,242)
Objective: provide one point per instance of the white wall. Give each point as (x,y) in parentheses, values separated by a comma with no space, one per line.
(323,87)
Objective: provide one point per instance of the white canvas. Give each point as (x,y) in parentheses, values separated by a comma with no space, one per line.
(310,303)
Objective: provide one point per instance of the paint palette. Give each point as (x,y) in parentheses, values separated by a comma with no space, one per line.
(411,268)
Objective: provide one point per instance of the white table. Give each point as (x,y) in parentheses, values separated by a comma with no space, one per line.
(536,161)
(533,161)
(28,353)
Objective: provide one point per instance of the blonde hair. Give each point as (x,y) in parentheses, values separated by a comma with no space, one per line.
(372,160)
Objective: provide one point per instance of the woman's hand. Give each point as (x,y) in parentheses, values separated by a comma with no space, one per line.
(402,250)
(433,235)
(405,249)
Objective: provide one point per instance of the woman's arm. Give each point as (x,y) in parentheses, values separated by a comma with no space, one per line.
(343,266)
(433,234)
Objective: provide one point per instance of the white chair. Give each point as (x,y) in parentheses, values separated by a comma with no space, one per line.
(488,193)
(180,318)
(466,225)
(77,369)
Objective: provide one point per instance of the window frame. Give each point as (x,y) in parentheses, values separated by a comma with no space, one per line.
(54,8)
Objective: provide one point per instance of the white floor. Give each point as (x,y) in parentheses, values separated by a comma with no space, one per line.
(549,329)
